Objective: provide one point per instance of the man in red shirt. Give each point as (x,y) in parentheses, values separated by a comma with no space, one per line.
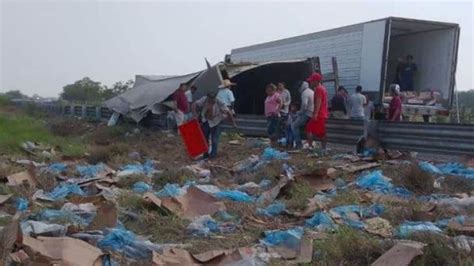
(317,125)
(181,105)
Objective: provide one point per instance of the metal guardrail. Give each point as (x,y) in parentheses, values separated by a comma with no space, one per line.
(338,131)
(430,138)
(456,139)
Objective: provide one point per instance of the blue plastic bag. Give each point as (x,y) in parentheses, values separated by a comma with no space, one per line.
(457,169)
(366,152)
(272,210)
(443,223)
(59,215)
(141,187)
(64,189)
(57,167)
(452,168)
(171,190)
(265,184)
(90,170)
(203,226)
(116,240)
(375,181)
(290,238)
(21,204)
(345,211)
(430,168)
(234,195)
(408,228)
(147,168)
(224,216)
(272,154)
(320,221)
(374,210)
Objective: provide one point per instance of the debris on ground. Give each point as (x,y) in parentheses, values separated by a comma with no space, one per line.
(400,254)
(150,204)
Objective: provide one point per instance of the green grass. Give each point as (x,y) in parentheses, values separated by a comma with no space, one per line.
(345,197)
(4,101)
(299,194)
(18,128)
(179,176)
(348,246)
(440,250)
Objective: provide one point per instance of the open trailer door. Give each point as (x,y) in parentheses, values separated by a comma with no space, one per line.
(374,55)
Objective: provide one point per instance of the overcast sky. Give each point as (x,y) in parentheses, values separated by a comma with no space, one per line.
(46,45)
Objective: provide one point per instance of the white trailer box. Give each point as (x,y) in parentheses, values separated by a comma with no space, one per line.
(367,53)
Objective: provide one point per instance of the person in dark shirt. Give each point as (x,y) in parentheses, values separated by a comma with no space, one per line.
(338,104)
(407,75)
(400,64)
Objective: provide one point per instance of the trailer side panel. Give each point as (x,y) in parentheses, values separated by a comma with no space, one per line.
(343,43)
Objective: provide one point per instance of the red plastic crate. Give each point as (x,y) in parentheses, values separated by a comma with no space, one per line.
(193,138)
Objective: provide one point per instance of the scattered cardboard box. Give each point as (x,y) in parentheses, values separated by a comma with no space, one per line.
(357,168)
(193,204)
(63,250)
(317,183)
(173,256)
(4,198)
(332,173)
(21,178)
(150,197)
(234,142)
(238,256)
(269,196)
(8,236)
(463,229)
(400,255)
(20,257)
(106,217)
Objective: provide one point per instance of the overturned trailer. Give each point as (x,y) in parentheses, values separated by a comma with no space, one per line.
(152,94)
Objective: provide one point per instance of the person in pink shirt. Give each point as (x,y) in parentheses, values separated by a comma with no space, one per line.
(272,111)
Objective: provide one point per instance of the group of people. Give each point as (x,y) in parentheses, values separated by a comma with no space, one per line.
(356,106)
(211,109)
(361,107)
(287,117)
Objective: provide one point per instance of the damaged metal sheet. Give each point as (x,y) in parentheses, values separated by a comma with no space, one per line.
(142,97)
(147,95)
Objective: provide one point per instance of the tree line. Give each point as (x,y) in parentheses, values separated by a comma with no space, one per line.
(87,90)
(466,106)
(83,90)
